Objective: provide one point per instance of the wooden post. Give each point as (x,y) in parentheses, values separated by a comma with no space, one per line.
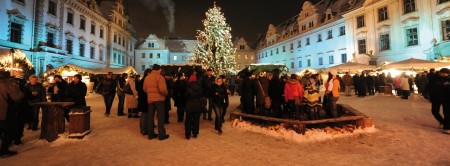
(52,119)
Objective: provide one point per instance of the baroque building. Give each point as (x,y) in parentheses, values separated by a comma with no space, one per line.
(315,38)
(244,55)
(53,33)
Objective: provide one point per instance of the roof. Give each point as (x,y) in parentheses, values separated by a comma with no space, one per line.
(177,45)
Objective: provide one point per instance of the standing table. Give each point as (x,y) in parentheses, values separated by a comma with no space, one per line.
(53,122)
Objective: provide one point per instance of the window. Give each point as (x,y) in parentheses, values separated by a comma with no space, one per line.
(292,65)
(93,28)
(69,46)
(242,47)
(319,37)
(245,57)
(120,40)
(271,52)
(52,7)
(412,37)
(362,46)
(309,62)
(299,64)
(446,29)
(276,51)
(151,55)
(303,27)
(151,45)
(382,14)
(175,58)
(143,67)
(266,54)
(92,52)
(443,1)
(70,17)
(331,59)
(183,58)
(123,41)
(384,42)
(251,57)
(50,39)
(330,34)
(143,55)
(409,5)
(114,58)
(82,49)
(320,61)
(239,57)
(15,33)
(100,54)
(158,56)
(292,46)
(311,24)
(360,21)
(284,48)
(307,41)
(82,23)
(101,32)
(342,31)
(343,58)
(299,44)
(328,16)
(115,38)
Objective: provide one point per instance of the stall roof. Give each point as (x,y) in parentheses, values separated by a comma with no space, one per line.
(76,67)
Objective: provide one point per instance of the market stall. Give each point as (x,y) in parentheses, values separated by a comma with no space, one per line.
(264,67)
(15,61)
(68,72)
(352,67)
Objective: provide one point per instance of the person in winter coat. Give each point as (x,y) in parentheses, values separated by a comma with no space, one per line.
(10,93)
(356,83)
(142,103)
(107,88)
(76,92)
(179,92)
(247,93)
(57,90)
(404,85)
(262,91)
(194,107)
(332,92)
(219,100)
(131,100)
(347,79)
(276,95)
(370,84)
(293,95)
(207,83)
(120,94)
(441,96)
(38,95)
(362,92)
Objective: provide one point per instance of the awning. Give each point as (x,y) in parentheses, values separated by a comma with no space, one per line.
(415,64)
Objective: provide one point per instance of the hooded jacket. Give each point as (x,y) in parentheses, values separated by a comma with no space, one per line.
(292,89)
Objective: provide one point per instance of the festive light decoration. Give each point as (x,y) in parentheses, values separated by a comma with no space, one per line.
(20,65)
(215,49)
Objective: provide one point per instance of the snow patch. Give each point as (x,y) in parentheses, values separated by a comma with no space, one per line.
(311,135)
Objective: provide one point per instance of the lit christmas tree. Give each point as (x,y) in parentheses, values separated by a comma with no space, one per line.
(215,49)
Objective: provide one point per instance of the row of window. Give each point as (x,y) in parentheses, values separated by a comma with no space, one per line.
(183,58)
(384,41)
(150,55)
(319,62)
(245,57)
(82,48)
(299,42)
(118,58)
(70,21)
(119,40)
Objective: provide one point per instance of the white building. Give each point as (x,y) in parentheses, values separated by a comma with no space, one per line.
(244,55)
(180,51)
(16,28)
(316,38)
(151,51)
(394,30)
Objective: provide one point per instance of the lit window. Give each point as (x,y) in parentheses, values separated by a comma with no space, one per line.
(175,58)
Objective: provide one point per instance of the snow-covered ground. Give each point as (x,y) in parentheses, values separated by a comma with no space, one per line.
(406,134)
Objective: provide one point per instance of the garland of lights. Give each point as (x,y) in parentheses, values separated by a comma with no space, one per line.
(60,71)
(22,64)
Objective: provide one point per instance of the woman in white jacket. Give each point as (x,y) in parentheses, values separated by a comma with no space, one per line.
(404,84)
(131,96)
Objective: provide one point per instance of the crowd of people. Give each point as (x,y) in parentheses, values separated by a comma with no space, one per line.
(197,95)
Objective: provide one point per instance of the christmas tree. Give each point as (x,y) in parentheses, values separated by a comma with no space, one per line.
(215,49)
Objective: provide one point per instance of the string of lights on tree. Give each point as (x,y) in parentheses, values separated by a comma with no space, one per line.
(215,49)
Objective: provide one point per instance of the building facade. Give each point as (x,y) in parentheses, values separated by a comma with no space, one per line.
(244,55)
(58,32)
(395,30)
(151,51)
(316,38)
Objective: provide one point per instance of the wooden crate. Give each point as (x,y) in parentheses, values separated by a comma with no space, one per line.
(80,122)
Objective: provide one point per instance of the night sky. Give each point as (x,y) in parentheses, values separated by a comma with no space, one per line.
(247,18)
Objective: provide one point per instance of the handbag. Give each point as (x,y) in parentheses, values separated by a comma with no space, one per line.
(267,101)
(127,89)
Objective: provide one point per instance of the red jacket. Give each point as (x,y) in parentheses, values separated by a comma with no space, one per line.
(292,89)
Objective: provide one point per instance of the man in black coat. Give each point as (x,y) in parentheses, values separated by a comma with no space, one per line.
(248,91)
(57,89)
(276,95)
(178,96)
(362,92)
(370,84)
(120,85)
(194,107)
(356,83)
(207,82)
(76,92)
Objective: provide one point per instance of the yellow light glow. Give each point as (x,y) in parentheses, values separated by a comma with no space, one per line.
(68,73)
